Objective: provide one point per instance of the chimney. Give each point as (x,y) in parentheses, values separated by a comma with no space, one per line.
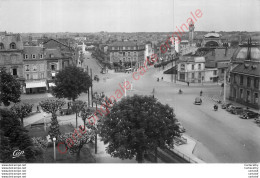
(226,50)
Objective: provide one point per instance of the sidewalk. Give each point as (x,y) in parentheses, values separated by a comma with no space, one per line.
(168,78)
(186,150)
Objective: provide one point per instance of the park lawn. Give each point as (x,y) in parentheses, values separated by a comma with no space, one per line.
(61,155)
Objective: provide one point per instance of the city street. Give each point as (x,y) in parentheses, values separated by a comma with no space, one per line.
(222,137)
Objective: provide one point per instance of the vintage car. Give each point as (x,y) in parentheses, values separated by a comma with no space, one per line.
(198,101)
(247,114)
(236,110)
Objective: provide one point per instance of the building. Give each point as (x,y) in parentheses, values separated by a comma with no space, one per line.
(67,51)
(82,47)
(125,54)
(245,75)
(212,40)
(191,69)
(41,65)
(35,69)
(191,32)
(11,57)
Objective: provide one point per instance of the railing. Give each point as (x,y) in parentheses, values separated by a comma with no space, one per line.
(187,158)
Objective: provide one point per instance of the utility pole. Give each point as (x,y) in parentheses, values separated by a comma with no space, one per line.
(224,88)
(91,87)
(88,88)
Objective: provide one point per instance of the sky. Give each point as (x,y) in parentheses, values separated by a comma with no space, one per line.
(34,16)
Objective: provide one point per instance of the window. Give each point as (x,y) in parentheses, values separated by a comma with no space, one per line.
(52,67)
(51,55)
(34,68)
(192,67)
(248,81)
(12,46)
(256,83)
(27,68)
(128,53)
(256,98)
(193,75)
(222,71)
(113,48)
(214,72)
(182,67)
(134,48)
(199,66)
(27,76)
(241,93)
(241,79)
(33,56)
(234,93)
(41,56)
(14,71)
(129,59)
(26,56)
(135,53)
(35,76)
(123,53)
(123,48)
(248,96)
(2,46)
(199,74)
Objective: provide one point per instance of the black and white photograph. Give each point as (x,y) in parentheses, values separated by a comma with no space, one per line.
(122,82)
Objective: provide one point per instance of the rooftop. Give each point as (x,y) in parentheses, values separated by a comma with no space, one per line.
(251,68)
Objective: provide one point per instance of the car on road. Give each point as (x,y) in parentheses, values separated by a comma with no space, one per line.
(198,101)
(248,114)
(96,77)
(225,105)
(236,110)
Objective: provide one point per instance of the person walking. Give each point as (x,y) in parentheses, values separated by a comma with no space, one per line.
(38,109)
(188,83)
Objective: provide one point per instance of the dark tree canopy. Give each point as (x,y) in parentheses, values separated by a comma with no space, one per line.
(71,82)
(22,110)
(13,137)
(9,88)
(137,124)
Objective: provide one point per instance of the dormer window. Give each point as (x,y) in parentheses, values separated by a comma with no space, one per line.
(26,56)
(33,56)
(246,65)
(12,46)
(41,56)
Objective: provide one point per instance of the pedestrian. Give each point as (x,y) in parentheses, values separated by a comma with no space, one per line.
(38,110)
(188,83)
(201,93)
(162,78)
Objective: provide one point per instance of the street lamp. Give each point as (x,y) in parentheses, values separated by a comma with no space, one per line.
(54,139)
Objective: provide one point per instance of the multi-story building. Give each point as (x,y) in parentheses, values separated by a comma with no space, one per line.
(127,54)
(245,76)
(191,69)
(69,51)
(41,66)
(34,69)
(11,58)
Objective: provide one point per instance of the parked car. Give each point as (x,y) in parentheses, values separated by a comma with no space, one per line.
(236,110)
(198,101)
(96,77)
(257,120)
(247,114)
(228,108)
(225,105)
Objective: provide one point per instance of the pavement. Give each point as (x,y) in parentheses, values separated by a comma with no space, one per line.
(220,137)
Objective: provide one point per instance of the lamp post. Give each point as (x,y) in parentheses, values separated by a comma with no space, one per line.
(54,139)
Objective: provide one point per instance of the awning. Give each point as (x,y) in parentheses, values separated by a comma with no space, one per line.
(35,84)
(52,85)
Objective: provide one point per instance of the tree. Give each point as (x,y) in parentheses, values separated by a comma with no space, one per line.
(15,137)
(22,110)
(85,114)
(75,143)
(71,82)
(76,107)
(9,88)
(52,106)
(138,124)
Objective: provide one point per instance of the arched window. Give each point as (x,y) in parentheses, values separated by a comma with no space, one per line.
(12,46)
(2,46)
